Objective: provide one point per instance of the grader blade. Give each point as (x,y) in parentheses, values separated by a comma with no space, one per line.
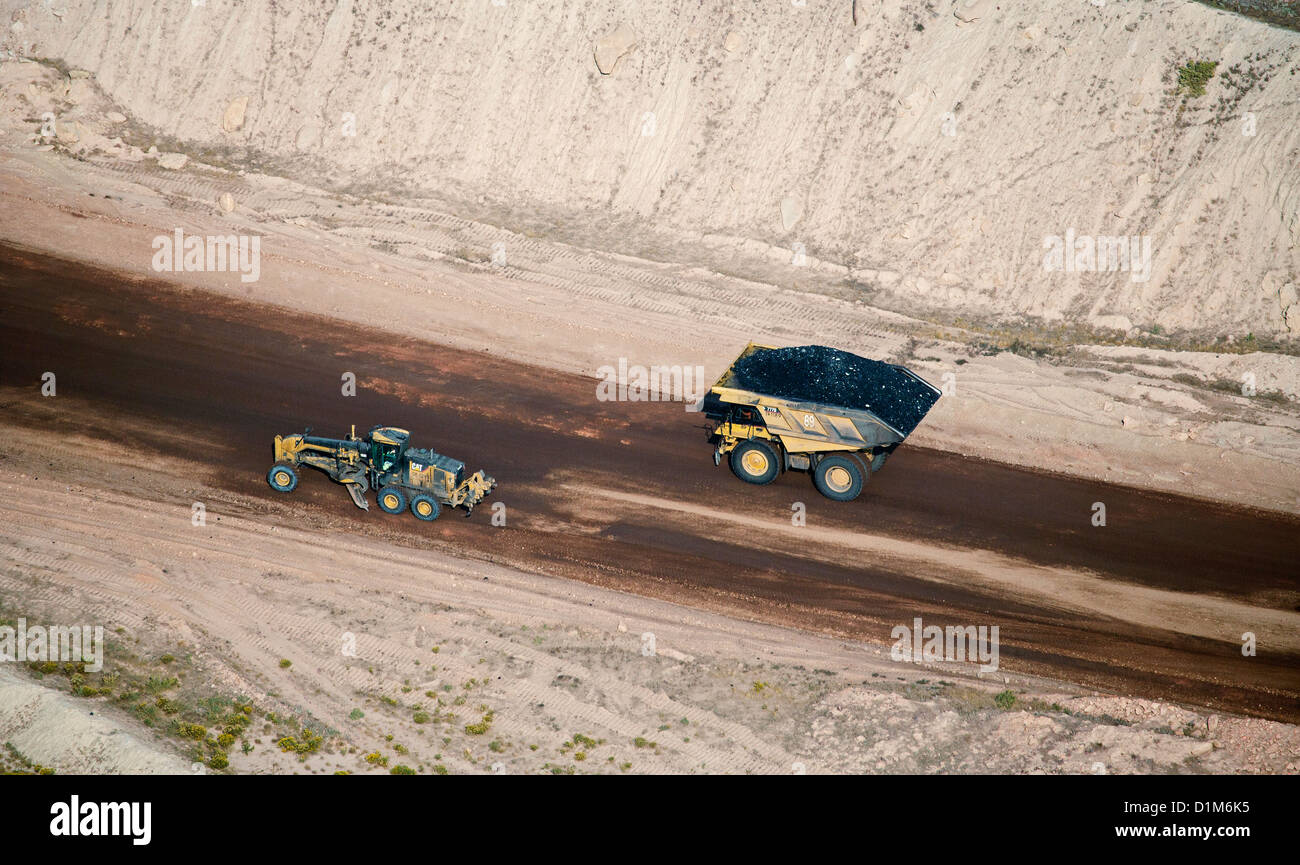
(358,496)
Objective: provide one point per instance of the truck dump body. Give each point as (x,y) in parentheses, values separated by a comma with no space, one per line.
(883,402)
(836,379)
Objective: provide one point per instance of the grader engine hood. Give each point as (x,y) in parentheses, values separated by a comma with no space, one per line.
(425,465)
(427,469)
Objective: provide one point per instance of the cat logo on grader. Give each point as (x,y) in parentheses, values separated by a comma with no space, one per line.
(383,460)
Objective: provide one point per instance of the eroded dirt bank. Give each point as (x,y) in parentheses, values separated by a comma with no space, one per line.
(918,152)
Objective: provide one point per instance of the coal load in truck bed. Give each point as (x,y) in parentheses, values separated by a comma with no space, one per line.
(817,374)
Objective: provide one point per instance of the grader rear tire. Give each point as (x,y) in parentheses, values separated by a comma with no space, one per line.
(391,500)
(425,508)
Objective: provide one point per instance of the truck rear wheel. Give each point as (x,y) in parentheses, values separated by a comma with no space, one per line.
(425,508)
(838,477)
(282,478)
(755,462)
(391,500)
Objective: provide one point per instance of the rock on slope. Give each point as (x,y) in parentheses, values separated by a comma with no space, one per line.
(930,149)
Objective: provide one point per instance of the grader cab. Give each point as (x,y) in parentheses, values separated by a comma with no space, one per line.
(405,476)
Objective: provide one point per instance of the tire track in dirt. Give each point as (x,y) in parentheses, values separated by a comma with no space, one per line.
(261,622)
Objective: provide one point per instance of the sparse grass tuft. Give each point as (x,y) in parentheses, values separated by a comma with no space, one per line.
(1194,75)
(481,727)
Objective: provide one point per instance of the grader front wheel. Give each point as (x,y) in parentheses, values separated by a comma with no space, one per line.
(282,478)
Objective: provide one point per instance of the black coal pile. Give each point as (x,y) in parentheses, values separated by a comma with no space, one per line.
(817,374)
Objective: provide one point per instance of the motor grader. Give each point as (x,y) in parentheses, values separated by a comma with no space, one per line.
(405,476)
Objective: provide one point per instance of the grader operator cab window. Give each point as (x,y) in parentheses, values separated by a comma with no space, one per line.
(387,457)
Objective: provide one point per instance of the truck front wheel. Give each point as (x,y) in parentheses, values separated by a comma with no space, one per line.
(755,462)
(838,477)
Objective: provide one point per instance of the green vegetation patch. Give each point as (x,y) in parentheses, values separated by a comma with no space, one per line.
(1194,75)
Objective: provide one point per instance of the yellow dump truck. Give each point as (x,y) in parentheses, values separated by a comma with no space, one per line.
(815,409)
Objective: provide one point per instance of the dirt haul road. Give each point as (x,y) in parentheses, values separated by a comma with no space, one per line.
(625,495)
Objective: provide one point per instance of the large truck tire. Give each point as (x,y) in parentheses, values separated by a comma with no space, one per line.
(839,477)
(755,462)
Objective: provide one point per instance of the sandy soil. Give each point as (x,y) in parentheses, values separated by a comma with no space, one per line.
(377,634)
(44,728)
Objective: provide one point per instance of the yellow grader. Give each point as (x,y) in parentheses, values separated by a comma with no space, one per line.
(405,476)
(814,409)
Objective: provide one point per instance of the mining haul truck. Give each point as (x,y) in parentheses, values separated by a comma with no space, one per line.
(814,409)
(405,476)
